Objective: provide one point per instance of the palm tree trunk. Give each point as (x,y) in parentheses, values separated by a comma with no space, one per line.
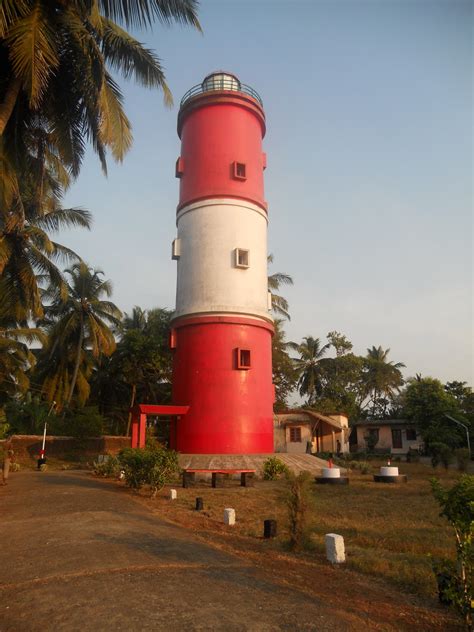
(132,401)
(6,107)
(77,363)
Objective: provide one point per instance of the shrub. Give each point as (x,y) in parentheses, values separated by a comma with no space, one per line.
(413,456)
(273,468)
(457,506)
(297,503)
(463,457)
(440,453)
(149,466)
(83,423)
(365,468)
(109,467)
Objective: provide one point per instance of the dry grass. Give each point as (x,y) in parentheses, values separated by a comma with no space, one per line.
(390,531)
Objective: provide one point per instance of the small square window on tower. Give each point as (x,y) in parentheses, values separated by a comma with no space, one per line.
(179,170)
(240,170)
(243,358)
(172,339)
(241,258)
(269,301)
(176,249)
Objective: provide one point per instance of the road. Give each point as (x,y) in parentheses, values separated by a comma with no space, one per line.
(79,553)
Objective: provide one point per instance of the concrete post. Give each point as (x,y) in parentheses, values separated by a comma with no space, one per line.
(173,494)
(229,516)
(335,552)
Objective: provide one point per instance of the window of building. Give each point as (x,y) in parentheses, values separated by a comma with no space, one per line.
(371,437)
(243,358)
(295,435)
(179,169)
(411,434)
(397,438)
(240,170)
(241,258)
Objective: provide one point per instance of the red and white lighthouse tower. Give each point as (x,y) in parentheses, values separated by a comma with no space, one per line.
(222,328)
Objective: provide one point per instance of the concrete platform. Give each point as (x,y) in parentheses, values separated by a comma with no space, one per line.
(296,462)
(342,480)
(401,478)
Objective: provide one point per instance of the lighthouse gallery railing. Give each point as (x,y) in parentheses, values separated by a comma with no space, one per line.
(222,84)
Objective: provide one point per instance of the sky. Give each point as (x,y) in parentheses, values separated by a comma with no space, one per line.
(369,178)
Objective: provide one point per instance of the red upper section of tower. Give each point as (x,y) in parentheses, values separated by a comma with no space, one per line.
(221,133)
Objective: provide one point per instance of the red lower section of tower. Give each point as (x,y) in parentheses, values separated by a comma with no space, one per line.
(230,407)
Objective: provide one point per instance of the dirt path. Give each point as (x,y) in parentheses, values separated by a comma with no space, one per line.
(79,553)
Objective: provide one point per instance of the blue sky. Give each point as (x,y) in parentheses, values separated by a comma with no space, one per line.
(369,178)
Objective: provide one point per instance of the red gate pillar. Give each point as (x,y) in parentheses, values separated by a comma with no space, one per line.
(134,430)
(142,431)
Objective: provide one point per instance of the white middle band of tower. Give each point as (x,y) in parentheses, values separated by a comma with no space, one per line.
(209,277)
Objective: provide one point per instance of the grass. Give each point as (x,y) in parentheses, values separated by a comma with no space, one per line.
(390,531)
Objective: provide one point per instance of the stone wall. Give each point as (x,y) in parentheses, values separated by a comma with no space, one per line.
(28,446)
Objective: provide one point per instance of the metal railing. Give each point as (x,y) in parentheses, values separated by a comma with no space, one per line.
(232,85)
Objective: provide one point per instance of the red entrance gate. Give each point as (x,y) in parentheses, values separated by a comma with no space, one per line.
(139,414)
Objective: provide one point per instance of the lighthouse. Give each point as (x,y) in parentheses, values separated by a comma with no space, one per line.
(222,328)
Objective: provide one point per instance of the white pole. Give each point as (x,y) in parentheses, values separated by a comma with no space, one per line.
(44,436)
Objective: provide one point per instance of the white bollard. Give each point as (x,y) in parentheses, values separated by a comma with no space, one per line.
(388,471)
(173,494)
(229,516)
(335,552)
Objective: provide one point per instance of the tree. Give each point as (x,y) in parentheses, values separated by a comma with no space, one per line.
(28,255)
(16,358)
(284,370)
(382,379)
(275,281)
(78,324)
(426,402)
(340,343)
(457,506)
(140,368)
(464,397)
(57,60)
(309,366)
(342,387)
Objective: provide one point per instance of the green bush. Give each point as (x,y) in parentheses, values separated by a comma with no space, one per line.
(440,453)
(413,456)
(273,469)
(457,506)
(297,502)
(109,467)
(150,466)
(83,423)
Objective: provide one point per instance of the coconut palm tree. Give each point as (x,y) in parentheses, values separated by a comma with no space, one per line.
(16,358)
(279,304)
(308,365)
(28,254)
(382,379)
(57,60)
(79,328)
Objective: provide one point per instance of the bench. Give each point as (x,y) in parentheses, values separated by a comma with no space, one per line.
(246,476)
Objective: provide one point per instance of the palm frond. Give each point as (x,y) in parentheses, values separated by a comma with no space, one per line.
(142,13)
(129,57)
(115,128)
(33,52)
(61,218)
